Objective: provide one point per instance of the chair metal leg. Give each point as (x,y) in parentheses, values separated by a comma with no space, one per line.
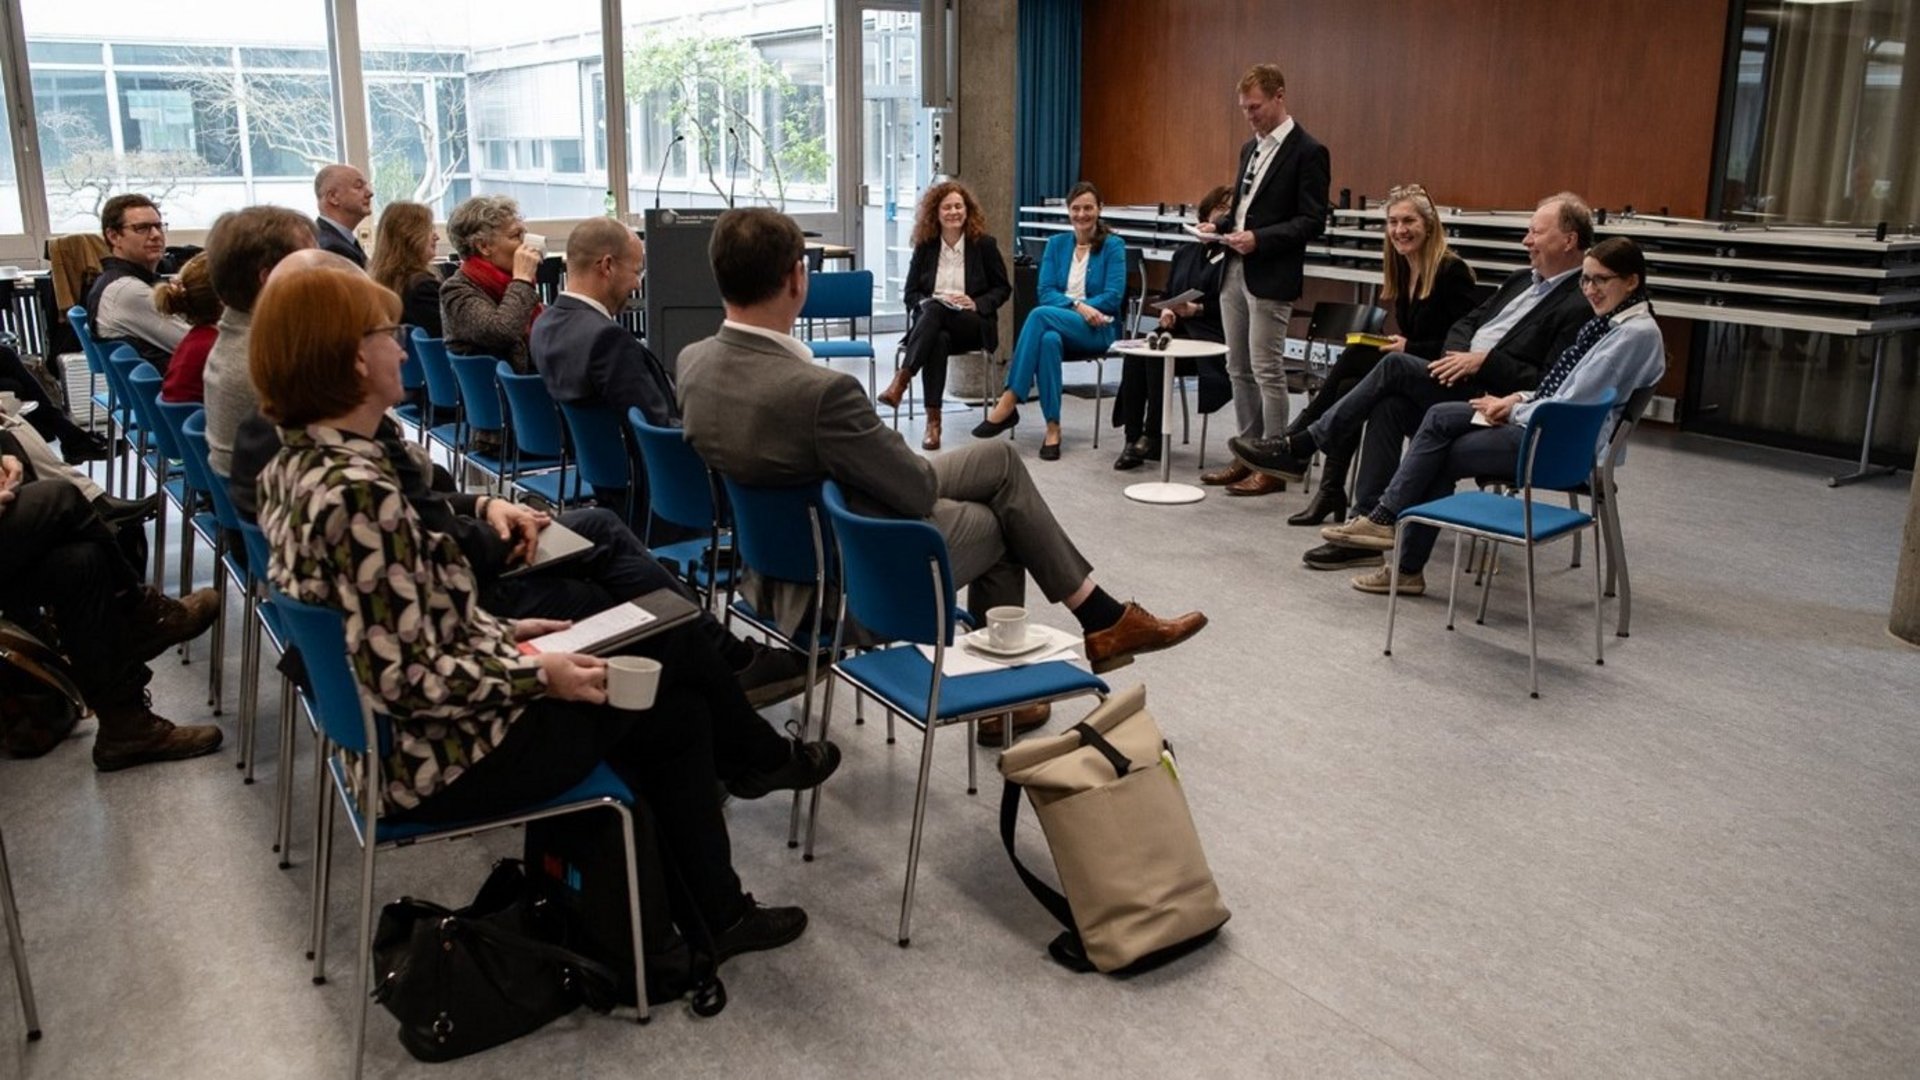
(913,842)
(813,799)
(973,752)
(1617,567)
(1533,636)
(1453,578)
(322,857)
(1573,503)
(363,960)
(1599,657)
(249,680)
(1393,579)
(217,658)
(1204,417)
(1099,381)
(1186,418)
(160,544)
(1486,581)
(17,943)
(283,836)
(633,912)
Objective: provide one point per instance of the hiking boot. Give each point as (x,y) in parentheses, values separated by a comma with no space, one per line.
(808,765)
(131,734)
(158,622)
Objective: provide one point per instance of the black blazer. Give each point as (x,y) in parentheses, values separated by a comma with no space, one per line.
(987,281)
(1287,212)
(326,236)
(1521,357)
(1192,269)
(1424,323)
(420,303)
(587,358)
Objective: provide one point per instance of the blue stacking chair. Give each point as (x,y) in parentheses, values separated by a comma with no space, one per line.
(538,457)
(842,295)
(198,493)
(414,411)
(600,452)
(357,740)
(143,392)
(880,562)
(17,944)
(480,410)
(99,399)
(443,395)
(1556,454)
(680,491)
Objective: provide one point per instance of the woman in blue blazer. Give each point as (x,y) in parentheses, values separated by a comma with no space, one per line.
(1083,276)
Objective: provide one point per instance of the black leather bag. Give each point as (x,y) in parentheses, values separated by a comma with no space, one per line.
(39,703)
(464,981)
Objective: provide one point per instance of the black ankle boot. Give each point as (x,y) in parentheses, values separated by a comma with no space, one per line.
(1329,501)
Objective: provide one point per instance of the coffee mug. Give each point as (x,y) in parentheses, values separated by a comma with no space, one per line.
(632,682)
(535,241)
(1007,627)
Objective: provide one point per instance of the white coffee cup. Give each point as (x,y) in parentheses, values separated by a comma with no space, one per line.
(535,241)
(1007,627)
(9,402)
(632,682)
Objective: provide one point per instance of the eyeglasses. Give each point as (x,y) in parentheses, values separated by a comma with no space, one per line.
(145,228)
(397,333)
(1594,281)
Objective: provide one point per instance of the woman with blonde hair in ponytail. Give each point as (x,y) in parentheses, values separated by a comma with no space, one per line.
(190,297)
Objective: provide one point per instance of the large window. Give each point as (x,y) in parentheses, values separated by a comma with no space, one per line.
(191,111)
(10,219)
(730,100)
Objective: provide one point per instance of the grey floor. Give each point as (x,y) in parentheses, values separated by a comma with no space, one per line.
(1701,859)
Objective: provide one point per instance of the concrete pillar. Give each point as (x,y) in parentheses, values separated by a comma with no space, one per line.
(1905,620)
(989,41)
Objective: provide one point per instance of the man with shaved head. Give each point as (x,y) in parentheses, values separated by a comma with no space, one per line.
(345,199)
(583,353)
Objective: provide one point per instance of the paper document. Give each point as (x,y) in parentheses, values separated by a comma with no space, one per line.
(1175,301)
(618,626)
(1479,419)
(1203,237)
(964,661)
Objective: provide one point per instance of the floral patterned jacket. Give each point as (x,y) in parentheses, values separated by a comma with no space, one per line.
(445,672)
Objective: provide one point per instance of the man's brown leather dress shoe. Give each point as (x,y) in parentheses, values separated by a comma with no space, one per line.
(1138,631)
(1232,473)
(1024,720)
(1257,484)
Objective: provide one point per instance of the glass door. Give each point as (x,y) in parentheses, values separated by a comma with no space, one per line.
(893,157)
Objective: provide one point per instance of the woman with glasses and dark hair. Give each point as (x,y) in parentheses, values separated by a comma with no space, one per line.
(1430,288)
(1083,278)
(403,250)
(955,283)
(1137,408)
(1617,350)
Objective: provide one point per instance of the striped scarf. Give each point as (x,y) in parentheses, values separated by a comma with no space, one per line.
(1583,343)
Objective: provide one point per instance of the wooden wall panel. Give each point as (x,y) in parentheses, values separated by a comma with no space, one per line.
(1489,103)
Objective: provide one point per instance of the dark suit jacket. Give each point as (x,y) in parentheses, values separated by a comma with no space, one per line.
(326,236)
(1425,323)
(1525,352)
(1285,213)
(587,358)
(420,303)
(987,281)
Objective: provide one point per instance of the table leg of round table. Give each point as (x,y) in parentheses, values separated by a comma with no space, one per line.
(1166,492)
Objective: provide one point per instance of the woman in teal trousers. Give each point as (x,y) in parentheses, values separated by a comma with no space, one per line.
(1083,276)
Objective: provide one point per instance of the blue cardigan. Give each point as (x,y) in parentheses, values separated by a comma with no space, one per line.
(1106,274)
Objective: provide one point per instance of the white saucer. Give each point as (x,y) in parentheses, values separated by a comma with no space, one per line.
(1036,639)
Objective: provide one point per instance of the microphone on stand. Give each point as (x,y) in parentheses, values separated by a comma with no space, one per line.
(662,177)
(733,171)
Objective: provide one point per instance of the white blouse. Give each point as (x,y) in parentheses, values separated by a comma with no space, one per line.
(951,276)
(1077,274)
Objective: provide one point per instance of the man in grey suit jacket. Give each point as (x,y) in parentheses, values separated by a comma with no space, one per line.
(758,409)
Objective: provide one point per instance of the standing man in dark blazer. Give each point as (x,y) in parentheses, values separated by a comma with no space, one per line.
(1279,206)
(344,199)
(1496,349)
(583,353)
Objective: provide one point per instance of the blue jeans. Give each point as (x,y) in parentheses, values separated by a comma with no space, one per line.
(1448,448)
(1044,340)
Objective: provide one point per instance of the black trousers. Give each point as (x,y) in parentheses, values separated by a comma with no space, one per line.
(1341,379)
(1139,408)
(56,553)
(938,333)
(1389,402)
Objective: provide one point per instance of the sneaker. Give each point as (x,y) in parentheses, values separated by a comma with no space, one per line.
(1335,557)
(807,766)
(761,928)
(774,675)
(131,734)
(1361,532)
(158,622)
(1377,583)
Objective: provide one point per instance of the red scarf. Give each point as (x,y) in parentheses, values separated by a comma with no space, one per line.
(494,281)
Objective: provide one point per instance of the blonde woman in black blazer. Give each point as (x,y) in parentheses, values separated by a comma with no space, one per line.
(948,320)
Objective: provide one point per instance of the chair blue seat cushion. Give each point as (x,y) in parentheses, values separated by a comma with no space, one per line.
(557,487)
(601,783)
(1501,515)
(689,559)
(835,350)
(768,626)
(900,677)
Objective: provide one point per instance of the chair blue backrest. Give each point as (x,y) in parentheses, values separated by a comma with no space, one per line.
(773,530)
(83,329)
(320,633)
(443,390)
(143,390)
(173,418)
(122,359)
(536,423)
(1559,443)
(474,376)
(413,373)
(599,450)
(846,294)
(677,480)
(884,567)
(193,440)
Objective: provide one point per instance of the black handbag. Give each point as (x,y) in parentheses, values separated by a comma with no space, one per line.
(462,981)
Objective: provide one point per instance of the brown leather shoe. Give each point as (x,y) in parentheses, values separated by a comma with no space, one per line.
(1232,473)
(130,734)
(1024,720)
(1138,631)
(931,441)
(897,389)
(1257,484)
(158,621)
